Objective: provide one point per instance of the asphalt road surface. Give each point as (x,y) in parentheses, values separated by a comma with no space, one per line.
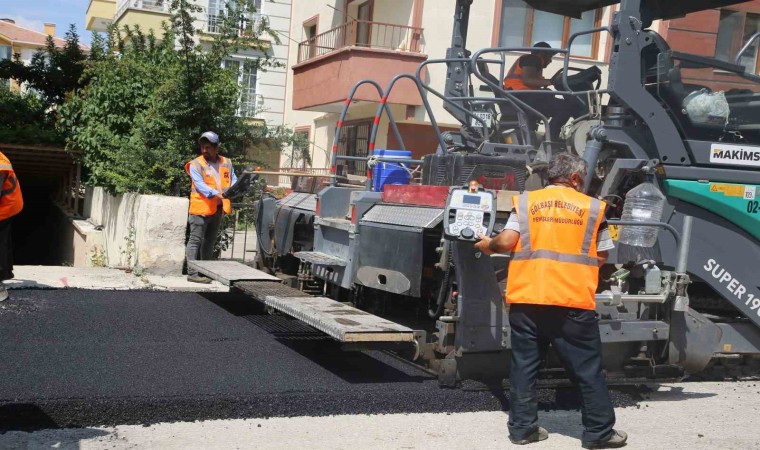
(74,358)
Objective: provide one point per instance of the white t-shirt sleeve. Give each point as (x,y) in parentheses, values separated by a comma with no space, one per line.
(603,240)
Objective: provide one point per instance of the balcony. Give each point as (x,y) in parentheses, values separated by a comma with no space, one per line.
(100,14)
(245,24)
(333,61)
(148,14)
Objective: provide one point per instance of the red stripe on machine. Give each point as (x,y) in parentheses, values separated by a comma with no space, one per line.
(434,196)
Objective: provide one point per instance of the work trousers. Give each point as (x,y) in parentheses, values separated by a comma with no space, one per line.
(574,335)
(203,234)
(559,110)
(6,250)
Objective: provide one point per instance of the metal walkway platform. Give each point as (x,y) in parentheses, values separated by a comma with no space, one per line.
(343,323)
(320,258)
(228,272)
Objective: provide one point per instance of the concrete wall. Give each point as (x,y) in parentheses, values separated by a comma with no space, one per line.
(144,231)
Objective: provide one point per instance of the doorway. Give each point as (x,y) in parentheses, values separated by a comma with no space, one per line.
(364,30)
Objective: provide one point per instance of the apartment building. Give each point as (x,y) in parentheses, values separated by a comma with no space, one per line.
(377,39)
(264,99)
(349,40)
(17,40)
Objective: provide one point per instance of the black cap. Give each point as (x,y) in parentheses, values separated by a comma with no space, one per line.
(543,44)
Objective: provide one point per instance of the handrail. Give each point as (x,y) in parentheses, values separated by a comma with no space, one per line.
(442,96)
(373,35)
(746,47)
(566,65)
(344,113)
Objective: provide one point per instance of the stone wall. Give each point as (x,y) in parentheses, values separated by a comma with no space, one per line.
(138,231)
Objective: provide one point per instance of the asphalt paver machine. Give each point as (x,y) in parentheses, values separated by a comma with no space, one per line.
(689,124)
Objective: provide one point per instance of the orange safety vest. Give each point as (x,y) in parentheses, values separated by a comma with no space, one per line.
(200,205)
(513,80)
(11,201)
(555,260)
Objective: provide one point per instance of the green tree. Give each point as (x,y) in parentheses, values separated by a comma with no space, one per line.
(53,72)
(24,119)
(150,97)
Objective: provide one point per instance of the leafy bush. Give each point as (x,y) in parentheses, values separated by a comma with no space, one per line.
(24,120)
(149,98)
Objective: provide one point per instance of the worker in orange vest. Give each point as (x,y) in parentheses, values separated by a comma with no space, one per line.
(527,74)
(11,203)
(558,238)
(211,175)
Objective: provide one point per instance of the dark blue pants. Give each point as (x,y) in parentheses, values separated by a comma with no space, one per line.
(574,335)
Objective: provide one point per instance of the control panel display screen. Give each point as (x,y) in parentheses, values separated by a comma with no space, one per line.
(471,199)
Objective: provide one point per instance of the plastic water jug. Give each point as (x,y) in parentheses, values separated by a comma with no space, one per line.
(388,172)
(643,203)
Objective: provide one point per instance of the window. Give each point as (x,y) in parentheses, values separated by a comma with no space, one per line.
(5,53)
(300,152)
(354,141)
(736,28)
(522,26)
(249,99)
(217,10)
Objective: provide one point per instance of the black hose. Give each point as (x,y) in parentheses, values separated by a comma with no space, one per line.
(443,293)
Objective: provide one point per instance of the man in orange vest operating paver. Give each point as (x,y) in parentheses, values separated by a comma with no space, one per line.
(11,203)
(211,175)
(526,74)
(558,238)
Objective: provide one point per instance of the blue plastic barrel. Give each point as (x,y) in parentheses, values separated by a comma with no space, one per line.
(389,172)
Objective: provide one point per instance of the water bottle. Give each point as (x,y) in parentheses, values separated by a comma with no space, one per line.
(643,203)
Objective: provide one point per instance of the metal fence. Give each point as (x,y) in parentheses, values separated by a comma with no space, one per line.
(362,33)
(238,235)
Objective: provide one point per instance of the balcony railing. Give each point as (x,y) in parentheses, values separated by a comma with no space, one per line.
(146,5)
(362,33)
(245,25)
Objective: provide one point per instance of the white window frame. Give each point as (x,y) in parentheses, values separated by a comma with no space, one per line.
(217,9)
(248,105)
(529,33)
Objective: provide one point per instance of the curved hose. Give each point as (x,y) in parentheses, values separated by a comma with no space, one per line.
(443,293)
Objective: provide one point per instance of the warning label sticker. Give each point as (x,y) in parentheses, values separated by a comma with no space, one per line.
(735,155)
(729,190)
(614,232)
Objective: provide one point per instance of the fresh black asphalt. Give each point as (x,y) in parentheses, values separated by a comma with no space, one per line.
(75,358)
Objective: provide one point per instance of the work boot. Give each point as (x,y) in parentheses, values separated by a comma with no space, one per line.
(617,440)
(539,435)
(3,292)
(198,279)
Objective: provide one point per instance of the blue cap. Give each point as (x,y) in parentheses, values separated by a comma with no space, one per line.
(210,136)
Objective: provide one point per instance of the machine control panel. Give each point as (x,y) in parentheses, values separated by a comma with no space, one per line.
(470,211)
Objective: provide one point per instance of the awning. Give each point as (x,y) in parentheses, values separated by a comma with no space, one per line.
(660,9)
